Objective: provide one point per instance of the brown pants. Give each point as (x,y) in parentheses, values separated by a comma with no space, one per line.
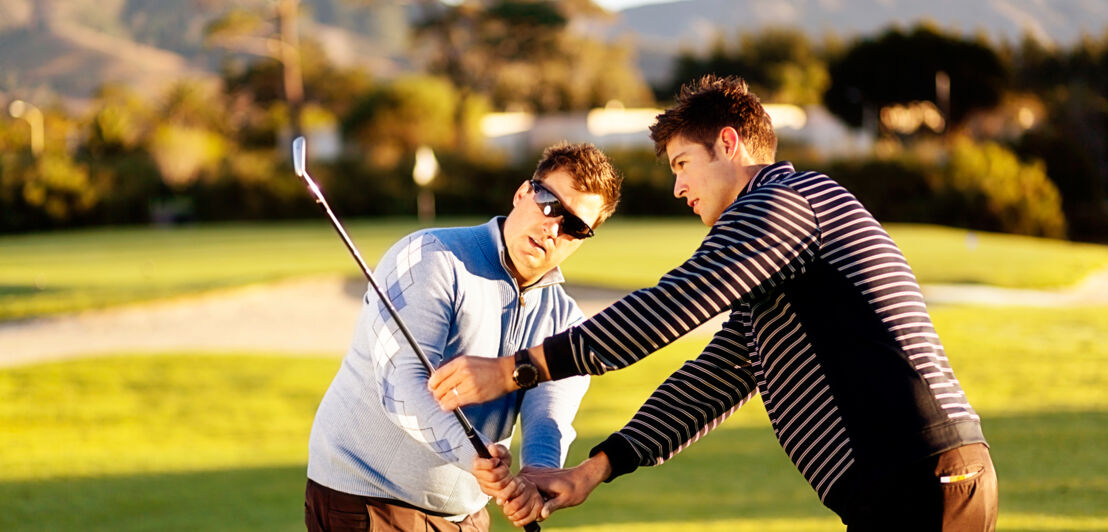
(327,510)
(953,491)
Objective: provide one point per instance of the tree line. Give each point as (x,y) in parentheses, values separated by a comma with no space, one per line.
(1008,137)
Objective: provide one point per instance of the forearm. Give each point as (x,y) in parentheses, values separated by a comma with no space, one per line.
(692,401)
(546,421)
(596,469)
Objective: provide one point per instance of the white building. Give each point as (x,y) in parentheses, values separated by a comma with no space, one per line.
(615,127)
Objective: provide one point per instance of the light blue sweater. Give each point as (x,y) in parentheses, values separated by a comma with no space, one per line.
(379,433)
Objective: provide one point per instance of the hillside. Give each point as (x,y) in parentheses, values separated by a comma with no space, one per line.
(72,47)
(74,61)
(146,43)
(663,30)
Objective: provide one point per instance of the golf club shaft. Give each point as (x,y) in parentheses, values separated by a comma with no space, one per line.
(471,433)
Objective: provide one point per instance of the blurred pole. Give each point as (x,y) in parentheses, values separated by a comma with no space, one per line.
(425,206)
(33,116)
(288,12)
(425,169)
(942,94)
(42,13)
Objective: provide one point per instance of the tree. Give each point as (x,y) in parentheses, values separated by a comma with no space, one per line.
(1071,135)
(900,68)
(390,121)
(278,38)
(781,65)
(524,54)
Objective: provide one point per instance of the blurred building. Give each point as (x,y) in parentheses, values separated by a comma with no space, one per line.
(519,134)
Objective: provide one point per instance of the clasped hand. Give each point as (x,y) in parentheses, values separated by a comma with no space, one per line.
(536,492)
(517,497)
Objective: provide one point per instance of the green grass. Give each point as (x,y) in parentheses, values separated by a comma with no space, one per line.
(51,273)
(947,255)
(66,271)
(183,442)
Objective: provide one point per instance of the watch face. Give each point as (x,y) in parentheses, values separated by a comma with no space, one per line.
(526,376)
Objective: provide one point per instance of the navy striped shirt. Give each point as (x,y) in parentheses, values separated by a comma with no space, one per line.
(826,322)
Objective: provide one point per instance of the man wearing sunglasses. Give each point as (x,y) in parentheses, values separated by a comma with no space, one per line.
(382,456)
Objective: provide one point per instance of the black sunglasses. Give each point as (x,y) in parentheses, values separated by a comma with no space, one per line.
(552,207)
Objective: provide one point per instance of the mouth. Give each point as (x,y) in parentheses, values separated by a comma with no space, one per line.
(693,205)
(536,244)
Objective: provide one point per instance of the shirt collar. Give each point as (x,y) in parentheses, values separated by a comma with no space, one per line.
(769,174)
(551,277)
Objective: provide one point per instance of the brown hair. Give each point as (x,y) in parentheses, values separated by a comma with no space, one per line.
(591,170)
(709,104)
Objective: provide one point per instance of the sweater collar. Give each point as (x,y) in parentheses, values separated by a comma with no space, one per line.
(496,235)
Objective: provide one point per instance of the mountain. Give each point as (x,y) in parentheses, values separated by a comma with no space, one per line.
(69,48)
(662,31)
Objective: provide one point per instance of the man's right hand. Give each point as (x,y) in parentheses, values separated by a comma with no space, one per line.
(569,487)
(468,380)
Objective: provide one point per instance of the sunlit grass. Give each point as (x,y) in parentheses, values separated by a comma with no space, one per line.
(183,442)
(66,271)
(165,413)
(51,273)
(948,255)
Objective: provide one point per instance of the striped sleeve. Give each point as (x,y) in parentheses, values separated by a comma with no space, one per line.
(765,237)
(694,400)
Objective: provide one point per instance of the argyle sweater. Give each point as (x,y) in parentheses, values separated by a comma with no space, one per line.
(378,432)
(826,322)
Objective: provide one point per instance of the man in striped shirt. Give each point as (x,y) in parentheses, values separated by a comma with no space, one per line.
(825,321)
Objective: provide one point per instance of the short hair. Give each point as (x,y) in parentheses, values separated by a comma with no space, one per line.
(591,170)
(709,104)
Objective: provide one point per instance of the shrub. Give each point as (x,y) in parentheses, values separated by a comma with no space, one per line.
(1017,197)
(977,186)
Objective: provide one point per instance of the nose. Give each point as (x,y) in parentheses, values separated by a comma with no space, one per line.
(550,227)
(680,189)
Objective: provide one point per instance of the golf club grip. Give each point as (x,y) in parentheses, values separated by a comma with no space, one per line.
(471,434)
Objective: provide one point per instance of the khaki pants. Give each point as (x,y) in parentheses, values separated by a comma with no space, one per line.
(952,491)
(327,510)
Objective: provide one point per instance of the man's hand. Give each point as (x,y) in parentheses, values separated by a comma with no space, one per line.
(468,380)
(494,475)
(525,504)
(568,487)
(517,497)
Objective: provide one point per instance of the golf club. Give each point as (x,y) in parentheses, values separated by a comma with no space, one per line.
(299,164)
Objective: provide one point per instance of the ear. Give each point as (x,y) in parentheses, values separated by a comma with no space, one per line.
(523,189)
(732,142)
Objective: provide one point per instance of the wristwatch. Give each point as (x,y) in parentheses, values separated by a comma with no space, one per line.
(526,374)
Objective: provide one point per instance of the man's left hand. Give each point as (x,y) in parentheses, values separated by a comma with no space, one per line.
(525,504)
(494,475)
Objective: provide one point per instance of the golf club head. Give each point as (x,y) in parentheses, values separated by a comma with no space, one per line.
(300,156)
